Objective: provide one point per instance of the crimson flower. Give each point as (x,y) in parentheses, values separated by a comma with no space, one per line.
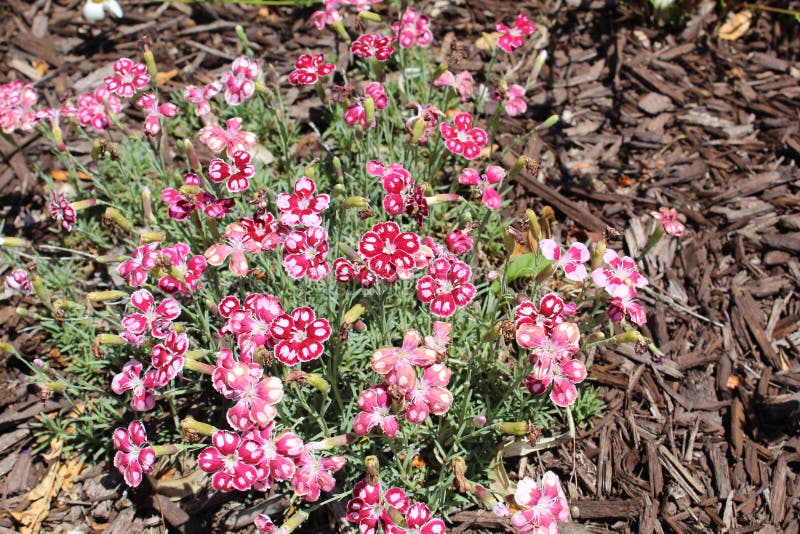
(418,520)
(367,507)
(264,231)
(550,312)
(572,261)
(143,259)
(250,323)
(461,138)
(446,287)
(386,250)
(200,96)
(155,318)
(543,504)
(459,242)
(231,139)
(305,252)
(62,211)
(232,461)
(302,207)
(182,202)
(308,69)
(239,81)
(132,458)
(149,104)
(129,78)
(94,108)
(183,273)
(412,29)
(512,38)
(373,45)
(620,306)
(237,175)
(300,336)
(168,357)
(19,280)
(375,404)
(346,271)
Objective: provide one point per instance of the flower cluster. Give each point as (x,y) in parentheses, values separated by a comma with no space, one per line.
(620,278)
(392,508)
(177,270)
(413,29)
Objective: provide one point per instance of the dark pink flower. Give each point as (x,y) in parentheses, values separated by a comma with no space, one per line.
(19,280)
(668,217)
(183,273)
(446,287)
(551,311)
(461,82)
(325,17)
(365,508)
(62,211)
(512,38)
(264,231)
(191,197)
(231,139)
(543,505)
(250,323)
(303,207)
(255,404)
(386,249)
(232,461)
(373,45)
(346,271)
(375,407)
(308,69)
(305,253)
(143,259)
(300,336)
(231,377)
(132,458)
(129,78)
(572,261)
(484,182)
(274,466)
(418,520)
(236,176)
(153,111)
(459,242)
(155,319)
(412,29)
(620,306)
(168,357)
(314,474)
(200,96)
(377,93)
(403,196)
(239,82)
(461,138)
(430,115)
(515,103)
(94,108)
(129,380)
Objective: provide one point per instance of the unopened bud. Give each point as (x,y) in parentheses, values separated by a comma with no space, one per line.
(534,230)
(360,326)
(441,198)
(547,124)
(150,61)
(191,155)
(517,428)
(147,205)
(41,290)
(417,130)
(113,215)
(352,315)
(243,39)
(97,149)
(520,164)
(598,254)
(337,168)
(369,15)
(338,27)
(369,110)
(479,420)
(14,242)
(191,364)
(537,66)
(151,237)
(356,202)
(109,339)
(105,296)
(81,205)
(296,519)
(329,443)
(192,425)
(631,336)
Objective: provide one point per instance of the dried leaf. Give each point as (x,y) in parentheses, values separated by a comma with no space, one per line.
(166,76)
(488,41)
(498,477)
(736,26)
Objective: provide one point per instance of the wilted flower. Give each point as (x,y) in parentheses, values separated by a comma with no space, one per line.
(19,280)
(62,211)
(461,82)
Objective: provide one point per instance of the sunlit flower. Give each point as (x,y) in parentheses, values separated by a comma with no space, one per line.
(375,404)
(129,78)
(154,111)
(446,287)
(412,29)
(94,10)
(94,108)
(373,45)
(461,82)
(231,139)
(239,82)
(512,38)
(668,217)
(19,280)
(200,96)
(572,261)
(305,253)
(300,336)
(133,459)
(303,207)
(237,176)
(386,249)
(308,69)
(143,259)
(544,505)
(484,183)
(232,461)
(461,138)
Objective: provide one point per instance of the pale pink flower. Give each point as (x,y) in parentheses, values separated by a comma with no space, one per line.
(621,278)
(461,82)
(571,261)
(314,474)
(398,362)
(129,78)
(231,139)
(461,138)
(255,404)
(200,96)
(325,17)
(237,242)
(157,319)
(133,459)
(551,361)
(274,466)
(375,405)
(484,183)
(668,217)
(512,38)
(429,395)
(544,505)
(94,108)
(231,377)
(440,339)
(239,82)
(19,280)
(412,29)
(16,106)
(153,111)
(514,100)
(143,259)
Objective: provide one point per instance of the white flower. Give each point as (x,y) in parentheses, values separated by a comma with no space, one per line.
(95,10)
(662,4)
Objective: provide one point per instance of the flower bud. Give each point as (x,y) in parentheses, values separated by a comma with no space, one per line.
(97,149)
(83,204)
(337,168)
(631,336)
(517,428)
(191,155)
(147,205)
(479,420)
(371,462)
(41,291)
(352,315)
(417,130)
(243,39)
(150,61)
(597,254)
(192,425)
(109,339)
(356,202)
(534,230)
(518,166)
(39,363)
(105,296)
(14,242)
(338,27)
(113,215)
(537,66)
(547,124)
(369,15)
(492,275)
(151,237)
(458,242)
(329,443)
(441,198)
(369,110)
(296,519)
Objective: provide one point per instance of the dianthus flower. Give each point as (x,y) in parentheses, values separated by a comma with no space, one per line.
(303,207)
(373,45)
(446,287)
(133,459)
(190,197)
(183,273)
(386,249)
(459,242)
(62,211)
(367,507)
(129,380)
(668,217)
(300,336)
(418,520)
(514,101)
(403,195)
(327,16)
(484,182)
(94,108)
(232,460)
(572,261)
(231,139)
(512,38)
(155,319)
(440,339)
(397,363)
(305,253)
(412,29)
(239,81)
(264,231)
(19,280)
(551,311)
(143,259)
(250,323)
(16,106)
(620,306)
(543,505)
(169,357)
(429,395)
(129,78)
(314,474)
(200,96)
(274,466)
(237,176)
(154,111)
(346,271)
(429,115)
(237,242)
(255,404)
(461,138)
(375,405)
(461,82)
(231,377)
(621,278)
(308,69)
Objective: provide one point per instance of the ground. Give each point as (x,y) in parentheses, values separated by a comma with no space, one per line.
(704,438)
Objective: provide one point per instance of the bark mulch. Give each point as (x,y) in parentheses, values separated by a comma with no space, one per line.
(704,438)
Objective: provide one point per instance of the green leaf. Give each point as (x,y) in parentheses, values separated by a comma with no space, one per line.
(529,264)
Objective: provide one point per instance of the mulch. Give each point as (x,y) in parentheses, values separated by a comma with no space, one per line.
(704,438)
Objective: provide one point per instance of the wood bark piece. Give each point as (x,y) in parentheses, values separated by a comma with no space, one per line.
(751,313)
(605,508)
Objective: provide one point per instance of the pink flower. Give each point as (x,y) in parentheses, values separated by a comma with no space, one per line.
(458,242)
(367,507)
(418,520)
(128,380)
(403,196)
(544,505)
(191,198)
(621,279)
(168,357)
(550,312)
(238,175)
(183,274)
(375,407)
(231,377)
(346,271)
(551,361)
(232,461)
(156,319)
(200,96)
(619,306)
(429,395)
(305,252)
(94,108)
(572,261)
(325,17)
(239,81)
(308,69)
(19,280)
(232,139)
(461,138)
(412,29)
(16,106)
(302,207)
(515,103)
(265,525)
(397,362)
(149,104)
(313,474)
(251,323)
(668,217)
(300,336)
(512,38)
(429,114)
(484,182)
(559,344)
(132,458)
(373,45)
(238,241)
(62,211)
(446,287)
(386,249)
(143,259)
(461,82)
(255,404)
(376,91)
(440,339)
(130,77)
(274,465)
(264,231)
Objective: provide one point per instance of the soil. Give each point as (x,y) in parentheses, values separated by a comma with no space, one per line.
(703,439)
